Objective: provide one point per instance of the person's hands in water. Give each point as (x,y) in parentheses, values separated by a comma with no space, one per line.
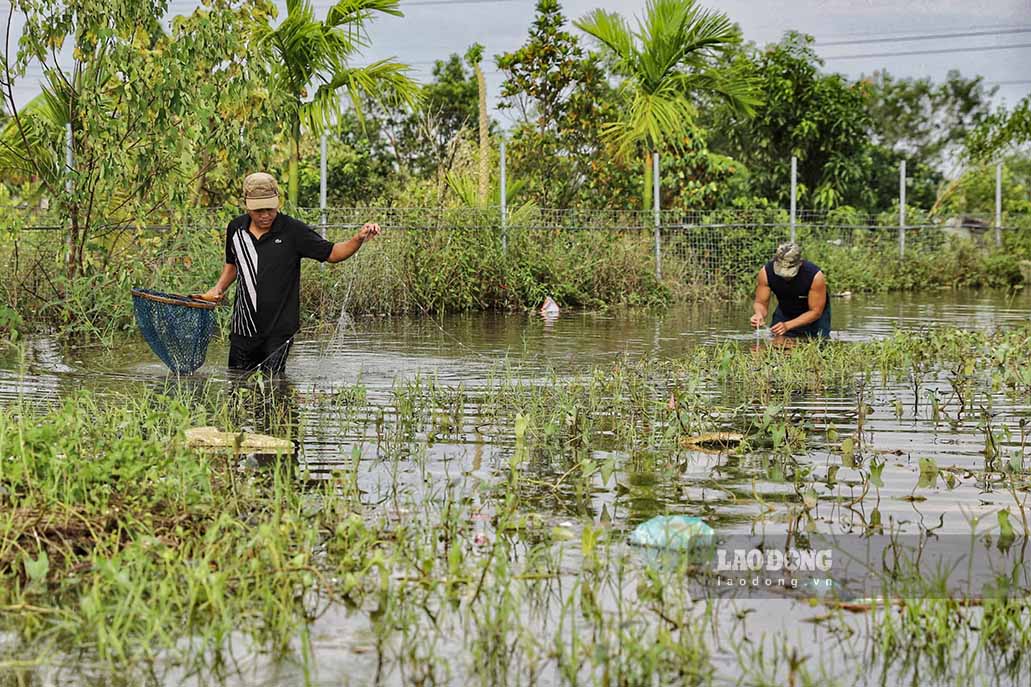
(369,230)
(757,321)
(780,329)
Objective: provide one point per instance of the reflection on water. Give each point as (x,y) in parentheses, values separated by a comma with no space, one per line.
(463,349)
(731,492)
(469,350)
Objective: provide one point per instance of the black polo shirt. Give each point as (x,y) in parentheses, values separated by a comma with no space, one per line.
(268,273)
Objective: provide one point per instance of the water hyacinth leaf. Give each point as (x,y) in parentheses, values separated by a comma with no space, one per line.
(832,475)
(522,423)
(37,569)
(1005,527)
(725,361)
(928,473)
(562,533)
(876,469)
(848,452)
(1016,462)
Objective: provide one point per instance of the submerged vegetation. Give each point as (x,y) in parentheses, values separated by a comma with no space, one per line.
(477,535)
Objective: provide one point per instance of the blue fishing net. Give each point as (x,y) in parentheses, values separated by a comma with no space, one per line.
(177,328)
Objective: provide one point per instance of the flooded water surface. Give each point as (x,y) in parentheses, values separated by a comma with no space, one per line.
(734,494)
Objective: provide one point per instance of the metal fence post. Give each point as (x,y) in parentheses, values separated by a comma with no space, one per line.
(322,187)
(658,217)
(504,201)
(69,161)
(998,204)
(902,209)
(69,183)
(794,193)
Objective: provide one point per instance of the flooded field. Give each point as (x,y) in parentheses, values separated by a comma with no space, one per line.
(536,447)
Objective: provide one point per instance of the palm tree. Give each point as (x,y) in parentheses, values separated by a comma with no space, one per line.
(316,54)
(671,57)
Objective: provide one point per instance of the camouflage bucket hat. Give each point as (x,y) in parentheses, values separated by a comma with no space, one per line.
(788,260)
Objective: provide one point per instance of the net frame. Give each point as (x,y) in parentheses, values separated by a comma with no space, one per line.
(177,328)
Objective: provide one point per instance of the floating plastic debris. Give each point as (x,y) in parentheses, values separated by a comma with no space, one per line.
(713,440)
(678,532)
(550,308)
(213,439)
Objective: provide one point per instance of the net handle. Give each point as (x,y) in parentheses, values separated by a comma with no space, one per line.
(185,301)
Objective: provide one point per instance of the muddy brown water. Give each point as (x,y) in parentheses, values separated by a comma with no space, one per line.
(469,350)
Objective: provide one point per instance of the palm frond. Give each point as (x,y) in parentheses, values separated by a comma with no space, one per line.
(384,81)
(612,31)
(739,90)
(356,12)
(656,120)
(34,142)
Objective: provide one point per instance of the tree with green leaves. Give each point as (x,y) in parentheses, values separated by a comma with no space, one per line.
(359,164)
(1001,132)
(819,118)
(559,94)
(924,120)
(308,54)
(671,58)
(1000,135)
(139,104)
(422,139)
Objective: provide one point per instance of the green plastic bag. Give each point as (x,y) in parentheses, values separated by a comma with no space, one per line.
(675,532)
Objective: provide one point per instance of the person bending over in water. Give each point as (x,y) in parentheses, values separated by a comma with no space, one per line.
(803,304)
(263,251)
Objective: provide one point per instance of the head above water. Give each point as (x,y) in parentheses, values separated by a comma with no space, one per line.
(261,198)
(787,261)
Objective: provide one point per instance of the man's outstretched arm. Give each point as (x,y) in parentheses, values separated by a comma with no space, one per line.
(345,249)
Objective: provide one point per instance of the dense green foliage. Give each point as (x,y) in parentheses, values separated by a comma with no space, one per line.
(163,136)
(665,64)
(139,104)
(817,117)
(431,272)
(559,94)
(309,53)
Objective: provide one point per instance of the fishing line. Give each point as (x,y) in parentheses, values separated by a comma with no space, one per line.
(411,294)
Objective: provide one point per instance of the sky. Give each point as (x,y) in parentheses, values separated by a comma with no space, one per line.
(433,29)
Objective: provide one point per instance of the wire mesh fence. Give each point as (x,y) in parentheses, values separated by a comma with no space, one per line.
(728,240)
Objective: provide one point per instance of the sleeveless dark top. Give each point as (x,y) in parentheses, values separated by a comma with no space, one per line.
(792,294)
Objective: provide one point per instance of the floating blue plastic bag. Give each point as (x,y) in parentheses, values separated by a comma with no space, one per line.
(676,532)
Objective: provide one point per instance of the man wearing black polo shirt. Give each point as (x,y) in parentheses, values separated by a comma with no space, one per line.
(263,250)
